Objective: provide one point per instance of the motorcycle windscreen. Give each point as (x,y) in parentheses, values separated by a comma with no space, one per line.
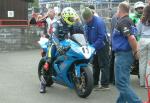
(79,38)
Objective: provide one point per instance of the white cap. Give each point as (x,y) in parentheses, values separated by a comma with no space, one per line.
(139,4)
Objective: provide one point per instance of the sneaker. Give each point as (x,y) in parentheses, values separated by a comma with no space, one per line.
(96,87)
(104,88)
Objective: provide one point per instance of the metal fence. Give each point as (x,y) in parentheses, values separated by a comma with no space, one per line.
(104,9)
(108,7)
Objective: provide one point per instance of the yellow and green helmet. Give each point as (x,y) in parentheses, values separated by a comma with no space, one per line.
(68,15)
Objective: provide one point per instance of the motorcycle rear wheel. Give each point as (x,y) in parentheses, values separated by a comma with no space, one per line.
(84,84)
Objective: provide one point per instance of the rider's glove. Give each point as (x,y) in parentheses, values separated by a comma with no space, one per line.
(60,49)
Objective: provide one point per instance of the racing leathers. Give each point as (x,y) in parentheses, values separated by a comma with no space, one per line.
(135,17)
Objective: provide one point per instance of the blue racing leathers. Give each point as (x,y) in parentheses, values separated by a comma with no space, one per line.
(63,31)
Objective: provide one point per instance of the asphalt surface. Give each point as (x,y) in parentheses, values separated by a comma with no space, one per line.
(19,83)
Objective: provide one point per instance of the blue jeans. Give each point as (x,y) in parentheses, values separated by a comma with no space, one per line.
(123,62)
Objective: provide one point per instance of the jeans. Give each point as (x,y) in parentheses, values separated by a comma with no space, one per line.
(123,62)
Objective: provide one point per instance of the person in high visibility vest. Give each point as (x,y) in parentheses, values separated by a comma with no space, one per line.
(136,16)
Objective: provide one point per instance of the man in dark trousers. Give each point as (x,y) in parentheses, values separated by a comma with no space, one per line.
(96,34)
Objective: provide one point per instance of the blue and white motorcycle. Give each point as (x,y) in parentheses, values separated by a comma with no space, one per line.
(72,69)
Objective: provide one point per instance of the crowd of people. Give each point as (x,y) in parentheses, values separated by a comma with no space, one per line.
(129,41)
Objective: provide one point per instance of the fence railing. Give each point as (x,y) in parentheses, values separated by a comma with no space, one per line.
(10,22)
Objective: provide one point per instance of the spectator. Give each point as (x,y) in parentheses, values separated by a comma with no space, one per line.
(33,19)
(44,10)
(49,19)
(95,31)
(39,23)
(112,57)
(124,45)
(148,2)
(93,10)
(144,44)
(136,16)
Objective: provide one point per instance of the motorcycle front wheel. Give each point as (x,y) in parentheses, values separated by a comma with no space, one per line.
(84,83)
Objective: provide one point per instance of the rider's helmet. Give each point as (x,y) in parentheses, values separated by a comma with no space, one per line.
(139,4)
(69,15)
(139,7)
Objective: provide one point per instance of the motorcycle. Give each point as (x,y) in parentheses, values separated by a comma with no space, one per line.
(71,69)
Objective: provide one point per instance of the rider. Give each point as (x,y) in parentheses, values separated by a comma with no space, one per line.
(69,23)
(136,16)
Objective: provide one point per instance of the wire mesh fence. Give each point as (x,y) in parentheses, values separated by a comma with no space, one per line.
(103,9)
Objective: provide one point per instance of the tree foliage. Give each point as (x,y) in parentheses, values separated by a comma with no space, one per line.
(73,0)
(35,3)
(30,1)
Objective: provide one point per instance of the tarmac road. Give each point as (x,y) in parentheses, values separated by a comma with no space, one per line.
(19,83)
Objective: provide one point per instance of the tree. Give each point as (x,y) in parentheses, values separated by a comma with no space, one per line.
(73,0)
(35,3)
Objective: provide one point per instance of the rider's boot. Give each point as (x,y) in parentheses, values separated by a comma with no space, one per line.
(42,85)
